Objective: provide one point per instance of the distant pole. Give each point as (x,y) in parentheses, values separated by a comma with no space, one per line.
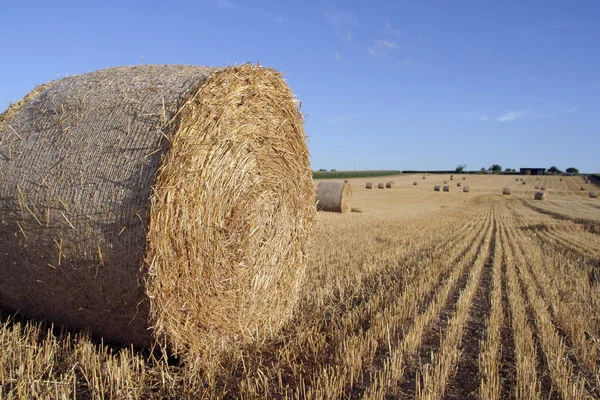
(356,164)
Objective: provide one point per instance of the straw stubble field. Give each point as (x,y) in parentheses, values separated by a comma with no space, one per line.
(422,294)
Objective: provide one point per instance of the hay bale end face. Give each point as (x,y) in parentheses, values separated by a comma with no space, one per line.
(540,196)
(389,185)
(506,190)
(334,197)
(436,188)
(466,189)
(369,185)
(381,186)
(593,195)
(446,188)
(180,197)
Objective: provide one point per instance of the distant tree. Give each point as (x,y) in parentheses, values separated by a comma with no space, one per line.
(333,170)
(572,170)
(482,169)
(514,170)
(322,170)
(460,168)
(496,168)
(554,170)
(507,170)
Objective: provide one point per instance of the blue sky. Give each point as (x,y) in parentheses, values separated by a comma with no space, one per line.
(398,85)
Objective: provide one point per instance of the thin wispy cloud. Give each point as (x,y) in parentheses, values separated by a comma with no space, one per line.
(388,29)
(511,116)
(220,3)
(337,56)
(343,22)
(380,47)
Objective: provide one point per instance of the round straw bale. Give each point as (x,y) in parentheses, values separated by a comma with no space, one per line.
(334,197)
(414,183)
(581,187)
(506,190)
(451,177)
(458,184)
(540,196)
(346,181)
(446,188)
(543,188)
(517,179)
(524,183)
(561,179)
(381,186)
(537,187)
(389,185)
(436,188)
(593,195)
(464,178)
(423,177)
(369,185)
(157,204)
(445,182)
(466,189)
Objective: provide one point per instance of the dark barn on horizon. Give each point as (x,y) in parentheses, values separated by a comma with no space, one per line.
(533,171)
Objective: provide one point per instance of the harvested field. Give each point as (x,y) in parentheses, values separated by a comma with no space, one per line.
(476,296)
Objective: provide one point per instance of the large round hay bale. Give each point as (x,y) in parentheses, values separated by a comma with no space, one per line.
(446,188)
(506,190)
(466,189)
(381,186)
(334,197)
(389,185)
(540,196)
(369,185)
(436,188)
(156,203)
(593,195)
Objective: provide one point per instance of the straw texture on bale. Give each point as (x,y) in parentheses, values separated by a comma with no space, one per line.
(157,203)
(369,185)
(436,188)
(446,188)
(334,197)
(389,185)
(466,189)
(506,190)
(540,196)
(593,195)
(381,186)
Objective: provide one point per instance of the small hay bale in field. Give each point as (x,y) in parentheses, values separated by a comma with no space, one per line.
(381,186)
(415,183)
(369,185)
(346,181)
(423,177)
(466,189)
(334,197)
(436,188)
(540,196)
(446,188)
(458,184)
(524,183)
(506,190)
(581,187)
(543,188)
(516,179)
(593,195)
(445,182)
(167,204)
(464,178)
(451,177)
(389,185)
(561,179)
(537,187)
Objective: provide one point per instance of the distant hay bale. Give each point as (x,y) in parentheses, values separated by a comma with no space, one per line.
(436,188)
(582,188)
(166,203)
(540,196)
(346,181)
(524,183)
(451,177)
(423,177)
(464,178)
(446,188)
(389,185)
(538,178)
(517,179)
(369,185)
(561,179)
(506,190)
(543,188)
(593,195)
(445,182)
(415,183)
(334,197)
(466,189)
(537,187)
(381,186)
(458,184)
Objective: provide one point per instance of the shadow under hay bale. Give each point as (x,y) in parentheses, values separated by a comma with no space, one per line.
(168,204)
(506,190)
(369,185)
(466,189)
(436,188)
(446,188)
(381,186)
(334,197)
(540,196)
